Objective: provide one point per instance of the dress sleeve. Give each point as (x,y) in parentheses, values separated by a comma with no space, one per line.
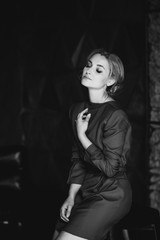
(116,145)
(77,171)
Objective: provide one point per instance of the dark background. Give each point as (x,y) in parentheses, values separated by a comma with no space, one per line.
(43,49)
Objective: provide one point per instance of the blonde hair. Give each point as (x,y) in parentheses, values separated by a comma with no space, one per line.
(116,70)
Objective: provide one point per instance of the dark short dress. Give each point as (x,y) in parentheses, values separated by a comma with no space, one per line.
(106,195)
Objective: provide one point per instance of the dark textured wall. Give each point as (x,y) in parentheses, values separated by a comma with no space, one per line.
(154,101)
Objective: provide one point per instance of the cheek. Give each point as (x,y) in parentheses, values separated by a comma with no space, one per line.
(102,81)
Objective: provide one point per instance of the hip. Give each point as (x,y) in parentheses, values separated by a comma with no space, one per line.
(119,185)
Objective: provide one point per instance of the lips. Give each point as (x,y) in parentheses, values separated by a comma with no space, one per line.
(86,77)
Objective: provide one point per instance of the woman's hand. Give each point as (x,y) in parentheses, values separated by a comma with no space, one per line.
(82,122)
(66,208)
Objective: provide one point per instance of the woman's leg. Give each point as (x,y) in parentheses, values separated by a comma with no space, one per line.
(67,236)
(55,235)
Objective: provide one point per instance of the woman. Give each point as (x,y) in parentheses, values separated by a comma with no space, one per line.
(99,193)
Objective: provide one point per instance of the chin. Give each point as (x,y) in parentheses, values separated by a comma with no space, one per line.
(85,82)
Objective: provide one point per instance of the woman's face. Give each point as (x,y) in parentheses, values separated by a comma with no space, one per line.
(96,72)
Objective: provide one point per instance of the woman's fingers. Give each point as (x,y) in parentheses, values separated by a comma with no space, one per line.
(84,111)
(81,114)
(87,117)
(65,213)
(68,211)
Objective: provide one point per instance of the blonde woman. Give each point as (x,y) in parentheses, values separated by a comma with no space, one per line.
(99,190)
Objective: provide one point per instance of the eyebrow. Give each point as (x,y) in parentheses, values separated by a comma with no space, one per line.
(99,65)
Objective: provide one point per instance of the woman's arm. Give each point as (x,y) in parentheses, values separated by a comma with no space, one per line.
(73,190)
(82,126)
(67,206)
(77,171)
(116,142)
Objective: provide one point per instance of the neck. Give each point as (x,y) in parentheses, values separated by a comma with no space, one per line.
(98,96)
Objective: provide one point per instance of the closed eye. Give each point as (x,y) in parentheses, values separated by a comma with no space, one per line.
(98,70)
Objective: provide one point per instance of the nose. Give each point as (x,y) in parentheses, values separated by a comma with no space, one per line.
(88,72)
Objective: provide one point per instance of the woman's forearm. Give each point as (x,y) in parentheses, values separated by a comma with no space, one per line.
(84,140)
(74,188)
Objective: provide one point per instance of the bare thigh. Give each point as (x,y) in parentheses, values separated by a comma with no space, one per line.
(67,236)
(55,235)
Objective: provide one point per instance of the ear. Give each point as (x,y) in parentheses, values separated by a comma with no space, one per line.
(110,81)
